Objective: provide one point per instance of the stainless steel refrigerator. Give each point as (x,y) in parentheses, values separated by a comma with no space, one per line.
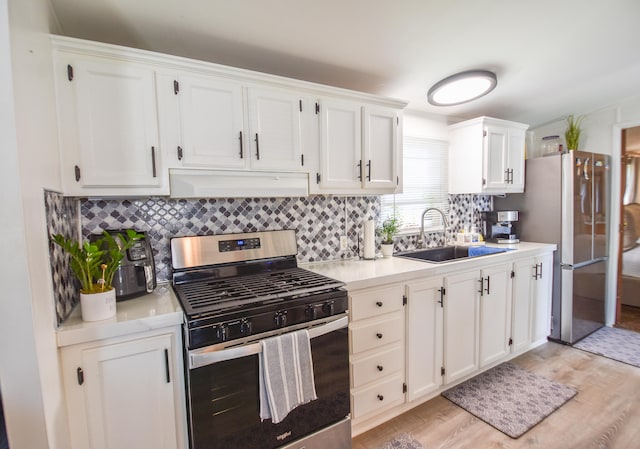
(566,202)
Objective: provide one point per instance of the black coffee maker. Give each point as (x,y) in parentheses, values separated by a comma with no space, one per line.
(500,226)
(136,275)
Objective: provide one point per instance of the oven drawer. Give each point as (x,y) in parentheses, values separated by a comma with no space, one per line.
(378,396)
(375,301)
(376,366)
(374,333)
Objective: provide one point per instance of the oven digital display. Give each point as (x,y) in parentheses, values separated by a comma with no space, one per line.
(238,245)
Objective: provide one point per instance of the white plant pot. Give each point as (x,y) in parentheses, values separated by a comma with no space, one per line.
(98,306)
(387,249)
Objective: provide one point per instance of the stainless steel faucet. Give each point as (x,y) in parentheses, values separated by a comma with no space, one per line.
(420,241)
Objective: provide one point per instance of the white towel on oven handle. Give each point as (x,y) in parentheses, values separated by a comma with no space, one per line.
(286,374)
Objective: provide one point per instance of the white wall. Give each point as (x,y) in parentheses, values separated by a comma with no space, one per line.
(19,373)
(427,126)
(601,134)
(30,373)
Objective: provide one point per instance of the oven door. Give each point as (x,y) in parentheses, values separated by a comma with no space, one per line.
(224,395)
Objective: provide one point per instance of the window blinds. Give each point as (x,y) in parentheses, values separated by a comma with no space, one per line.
(424,185)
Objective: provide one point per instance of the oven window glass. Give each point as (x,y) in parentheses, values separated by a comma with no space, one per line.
(225,400)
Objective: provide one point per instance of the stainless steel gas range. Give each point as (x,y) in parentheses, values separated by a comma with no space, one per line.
(237,290)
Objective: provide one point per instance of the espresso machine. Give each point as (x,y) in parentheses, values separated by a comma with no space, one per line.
(500,226)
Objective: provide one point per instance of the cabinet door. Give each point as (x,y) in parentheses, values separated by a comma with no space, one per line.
(424,337)
(515,159)
(116,125)
(340,145)
(380,145)
(495,154)
(461,323)
(274,130)
(522,293)
(541,300)
(211,121)
(495,313)
(129,394)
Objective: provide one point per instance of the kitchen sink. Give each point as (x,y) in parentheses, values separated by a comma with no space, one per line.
(448,253)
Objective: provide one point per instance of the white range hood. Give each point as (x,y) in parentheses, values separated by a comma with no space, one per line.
(194,183)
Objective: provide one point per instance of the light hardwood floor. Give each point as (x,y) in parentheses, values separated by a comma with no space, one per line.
(605,414)
(630,318)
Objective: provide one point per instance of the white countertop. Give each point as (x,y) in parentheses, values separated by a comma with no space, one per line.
(153,311)
(161,308)
(359,274)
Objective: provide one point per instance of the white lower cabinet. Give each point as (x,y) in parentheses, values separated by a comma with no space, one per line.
(477,320)
(461,322)
(495,314)
(424,337)
(126,392)
(541,298)
(376,339)
(522,301)
(446,328)
(532,290)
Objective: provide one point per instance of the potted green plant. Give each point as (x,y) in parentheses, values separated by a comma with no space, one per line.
(388,230)
(572,134)
(94,265)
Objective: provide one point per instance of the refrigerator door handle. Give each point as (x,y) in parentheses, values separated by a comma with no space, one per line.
(570,266)
(586,169)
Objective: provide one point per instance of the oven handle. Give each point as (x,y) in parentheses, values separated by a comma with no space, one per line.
(203,357)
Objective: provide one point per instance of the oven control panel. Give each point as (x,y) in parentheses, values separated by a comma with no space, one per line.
(238,244)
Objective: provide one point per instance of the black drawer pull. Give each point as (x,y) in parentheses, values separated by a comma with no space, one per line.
(379,303)
(379,335)
(380,397)
(380,367)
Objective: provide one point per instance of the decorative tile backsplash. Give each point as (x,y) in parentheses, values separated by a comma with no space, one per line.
(318,220)
(62,218)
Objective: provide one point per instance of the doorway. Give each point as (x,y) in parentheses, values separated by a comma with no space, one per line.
(628,279)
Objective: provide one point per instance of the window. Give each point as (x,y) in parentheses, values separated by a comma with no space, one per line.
(425,185)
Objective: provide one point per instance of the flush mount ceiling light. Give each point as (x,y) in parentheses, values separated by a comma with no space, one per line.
(462,87)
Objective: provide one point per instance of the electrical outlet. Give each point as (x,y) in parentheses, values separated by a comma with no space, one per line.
(344,243)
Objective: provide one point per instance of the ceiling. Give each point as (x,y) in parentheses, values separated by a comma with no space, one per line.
(552,58)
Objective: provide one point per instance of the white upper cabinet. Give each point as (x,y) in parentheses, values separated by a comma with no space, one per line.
(274,129)
(380,132)
(218,131)
(127,118)
(359,148)
(486,155)
(108,116)
(340,145)
(211,122)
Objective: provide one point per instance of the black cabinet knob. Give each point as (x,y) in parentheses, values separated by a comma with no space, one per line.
(380,367)
(379,335)
(380,397)
(379,303)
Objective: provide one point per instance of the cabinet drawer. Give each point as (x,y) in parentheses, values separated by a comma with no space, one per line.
(376,366)
(381,395)
(376,333)
(369,303)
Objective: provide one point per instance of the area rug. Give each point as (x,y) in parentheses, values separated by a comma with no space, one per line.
(402,441)
(510,398)
(618,344)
